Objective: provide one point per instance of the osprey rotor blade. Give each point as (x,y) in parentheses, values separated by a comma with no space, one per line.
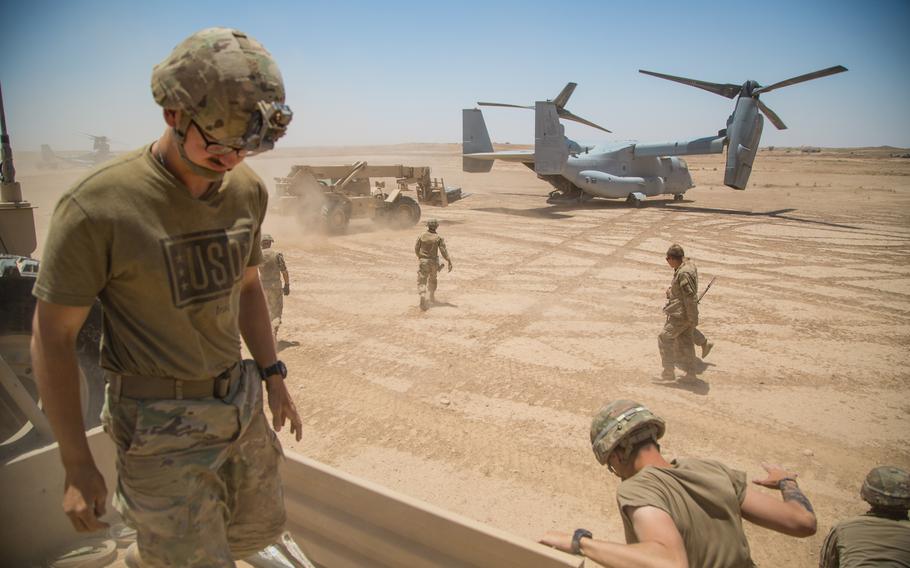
(479,103)
(563,113)
(728,90)
(563,97)
(801,79)
(772,116)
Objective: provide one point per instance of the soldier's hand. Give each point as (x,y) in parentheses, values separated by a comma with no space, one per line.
(287,290)
(775,474)
(85,498)
(282,407)
(559,540)
(450,267)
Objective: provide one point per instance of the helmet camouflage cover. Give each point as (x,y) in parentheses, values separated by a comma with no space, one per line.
(432,223)
(267,238)
(888,487)
(622,424)
(228,84)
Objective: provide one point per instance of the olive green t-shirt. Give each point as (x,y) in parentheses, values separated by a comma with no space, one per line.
(703,497)
(167,267)
(867,541)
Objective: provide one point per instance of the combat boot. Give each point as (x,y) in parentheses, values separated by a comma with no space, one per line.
(706,348)
(423,304)
(668,375)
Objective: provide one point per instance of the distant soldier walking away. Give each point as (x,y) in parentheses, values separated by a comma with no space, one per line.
(688,512)
(881,536)
(678,338)
(272,271)
(428,248)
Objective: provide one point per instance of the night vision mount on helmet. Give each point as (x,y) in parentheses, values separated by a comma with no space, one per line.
(229,86)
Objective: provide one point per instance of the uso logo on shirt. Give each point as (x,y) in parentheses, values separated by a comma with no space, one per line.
(205,265)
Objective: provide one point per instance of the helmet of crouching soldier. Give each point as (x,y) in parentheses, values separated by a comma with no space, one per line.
(887,487)
(432,224)
(623,424)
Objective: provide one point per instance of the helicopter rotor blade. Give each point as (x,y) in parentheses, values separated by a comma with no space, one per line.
(800,79)
(479,103)
(563,113)
(772,116)
(728,90)
(563,97)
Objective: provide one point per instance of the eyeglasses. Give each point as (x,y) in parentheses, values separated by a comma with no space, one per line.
(217,148)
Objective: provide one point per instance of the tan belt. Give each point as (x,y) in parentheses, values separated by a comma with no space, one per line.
(168,388)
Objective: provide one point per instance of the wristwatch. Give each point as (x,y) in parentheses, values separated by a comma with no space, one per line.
(576,539)
(277,368)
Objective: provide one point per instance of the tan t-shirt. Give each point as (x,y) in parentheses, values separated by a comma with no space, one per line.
(703,497)
(867,541)
(429,245)
(166,266)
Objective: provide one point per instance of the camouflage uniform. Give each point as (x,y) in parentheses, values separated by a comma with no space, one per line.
(676,341)
(428,248)
(270,272)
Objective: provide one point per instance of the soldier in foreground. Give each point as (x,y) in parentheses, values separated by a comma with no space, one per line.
(689,510)
(676,341)
(428,248)
(167,237)
(272,271)
(880,537)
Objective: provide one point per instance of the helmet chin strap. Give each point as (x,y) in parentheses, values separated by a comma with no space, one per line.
(200,171)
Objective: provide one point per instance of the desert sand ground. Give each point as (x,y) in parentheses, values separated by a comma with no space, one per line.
(482,404)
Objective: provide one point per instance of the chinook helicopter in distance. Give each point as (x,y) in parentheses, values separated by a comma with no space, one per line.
(625,170)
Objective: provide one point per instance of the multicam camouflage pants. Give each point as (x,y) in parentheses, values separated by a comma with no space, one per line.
(426,277)
(198,479)
(676,343)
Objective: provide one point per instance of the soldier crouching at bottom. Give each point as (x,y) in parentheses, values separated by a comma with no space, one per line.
(688,510)
(428,248)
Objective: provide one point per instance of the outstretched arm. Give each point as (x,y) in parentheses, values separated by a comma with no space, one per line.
(793,515)
(660,544)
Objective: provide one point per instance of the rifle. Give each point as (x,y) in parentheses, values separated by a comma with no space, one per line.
(708,287)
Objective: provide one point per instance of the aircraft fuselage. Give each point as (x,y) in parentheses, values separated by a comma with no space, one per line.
(619,173)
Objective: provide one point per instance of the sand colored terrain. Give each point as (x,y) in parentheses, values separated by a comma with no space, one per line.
(482,404)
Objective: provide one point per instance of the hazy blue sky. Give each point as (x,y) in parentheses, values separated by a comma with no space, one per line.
(390,72)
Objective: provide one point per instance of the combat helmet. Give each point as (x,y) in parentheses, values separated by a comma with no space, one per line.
(266,238)
(887,487)
(432,223)
(228,85)
(623,424)
(676,251)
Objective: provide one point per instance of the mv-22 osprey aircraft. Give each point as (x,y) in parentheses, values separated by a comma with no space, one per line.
(629,171)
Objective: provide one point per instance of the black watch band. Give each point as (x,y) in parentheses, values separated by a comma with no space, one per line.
(277,368)
(576,539)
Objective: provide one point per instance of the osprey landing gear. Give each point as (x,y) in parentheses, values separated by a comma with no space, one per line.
(635,198)
(677,197)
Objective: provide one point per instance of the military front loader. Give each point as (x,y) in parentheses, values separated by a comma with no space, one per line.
(330,196)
